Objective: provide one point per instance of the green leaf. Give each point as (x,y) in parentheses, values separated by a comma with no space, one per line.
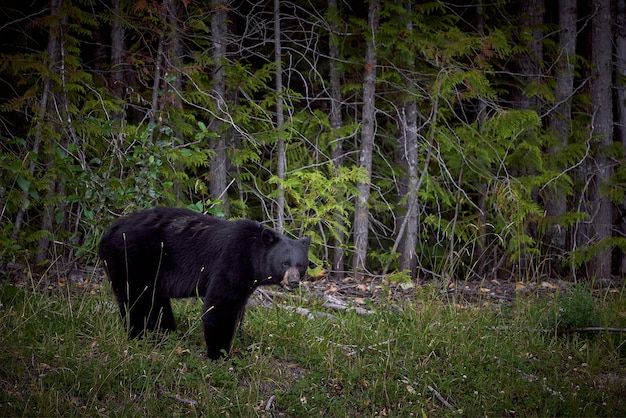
(23,183)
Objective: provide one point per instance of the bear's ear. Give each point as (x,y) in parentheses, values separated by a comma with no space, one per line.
(268,236)
(306,242)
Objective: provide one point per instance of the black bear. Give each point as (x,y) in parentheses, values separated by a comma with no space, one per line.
(162,253)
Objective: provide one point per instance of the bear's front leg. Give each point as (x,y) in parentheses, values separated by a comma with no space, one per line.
(220,320)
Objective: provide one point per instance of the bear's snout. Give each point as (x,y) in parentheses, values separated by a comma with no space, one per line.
(291,278)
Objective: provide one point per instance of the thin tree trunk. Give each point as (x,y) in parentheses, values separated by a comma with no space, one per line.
(218,168)
(336,122)
(117,50)
(54,204)
(46,91)
(172,56)
(480,249)
(530,22)
(361,214)
(602,125)
(620,68)
(556,200)
(172,67)
(408,256)
(531,19)
(620,98)
(282,159)
(156,85)
(408,205)
(54,46)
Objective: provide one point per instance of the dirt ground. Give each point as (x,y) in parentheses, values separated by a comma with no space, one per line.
(346,290)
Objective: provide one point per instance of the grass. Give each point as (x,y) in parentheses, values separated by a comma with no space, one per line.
(64,353)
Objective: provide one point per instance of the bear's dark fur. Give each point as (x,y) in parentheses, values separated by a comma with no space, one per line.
(162,253)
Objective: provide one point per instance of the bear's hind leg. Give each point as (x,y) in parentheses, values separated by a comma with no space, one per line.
(142,317)
(137,315)
(148,313)
(161,316)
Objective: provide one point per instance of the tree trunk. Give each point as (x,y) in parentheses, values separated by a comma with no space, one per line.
(620,68)
(282,159)
(117,50)
(171,63)
(602,125)
(480,249)
(531,19)
(54,46)
(174,80)
(560,121)
(408,228)
(361,214)
(530,22)
(156,85)
(218,170)
(336,122)
(620,105)
(46,91)
(408,203)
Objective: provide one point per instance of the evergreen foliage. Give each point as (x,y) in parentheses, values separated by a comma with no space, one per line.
(84,139)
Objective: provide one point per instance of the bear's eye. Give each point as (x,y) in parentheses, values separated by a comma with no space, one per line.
(286,264)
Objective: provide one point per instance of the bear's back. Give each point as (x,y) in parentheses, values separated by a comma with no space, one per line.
(182,233)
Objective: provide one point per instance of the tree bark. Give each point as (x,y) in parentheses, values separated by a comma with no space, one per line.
(219,164)
(480,249)
(172,64)
(157,84)
(282,159)
(172,57)
(46,91)
(602,126)
(408,203)
(530,22)
(361,214)
(408,228)
(117,50)
(560,121)
(531,18)
(620,105)
(336,122)
(54,46)
(620,68)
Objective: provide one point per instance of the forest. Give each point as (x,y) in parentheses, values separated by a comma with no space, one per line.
(442,140)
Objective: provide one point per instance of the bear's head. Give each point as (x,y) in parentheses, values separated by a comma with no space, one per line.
(285,259)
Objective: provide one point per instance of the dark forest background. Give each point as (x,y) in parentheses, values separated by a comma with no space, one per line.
(419,140)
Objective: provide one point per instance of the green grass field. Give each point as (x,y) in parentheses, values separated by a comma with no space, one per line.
(63,352)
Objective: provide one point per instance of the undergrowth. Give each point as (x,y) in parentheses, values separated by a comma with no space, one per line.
(66,354)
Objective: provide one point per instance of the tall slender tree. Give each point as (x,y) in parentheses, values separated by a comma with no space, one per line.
(530,21)
(219,165)
(408,205)
(37,132)
(620,104)
(480,249)
(620,68)
(602,126)
(157,76)
(61,124)
(117,50)
(336,123)
(560,123)
(366,149)
(280,144)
